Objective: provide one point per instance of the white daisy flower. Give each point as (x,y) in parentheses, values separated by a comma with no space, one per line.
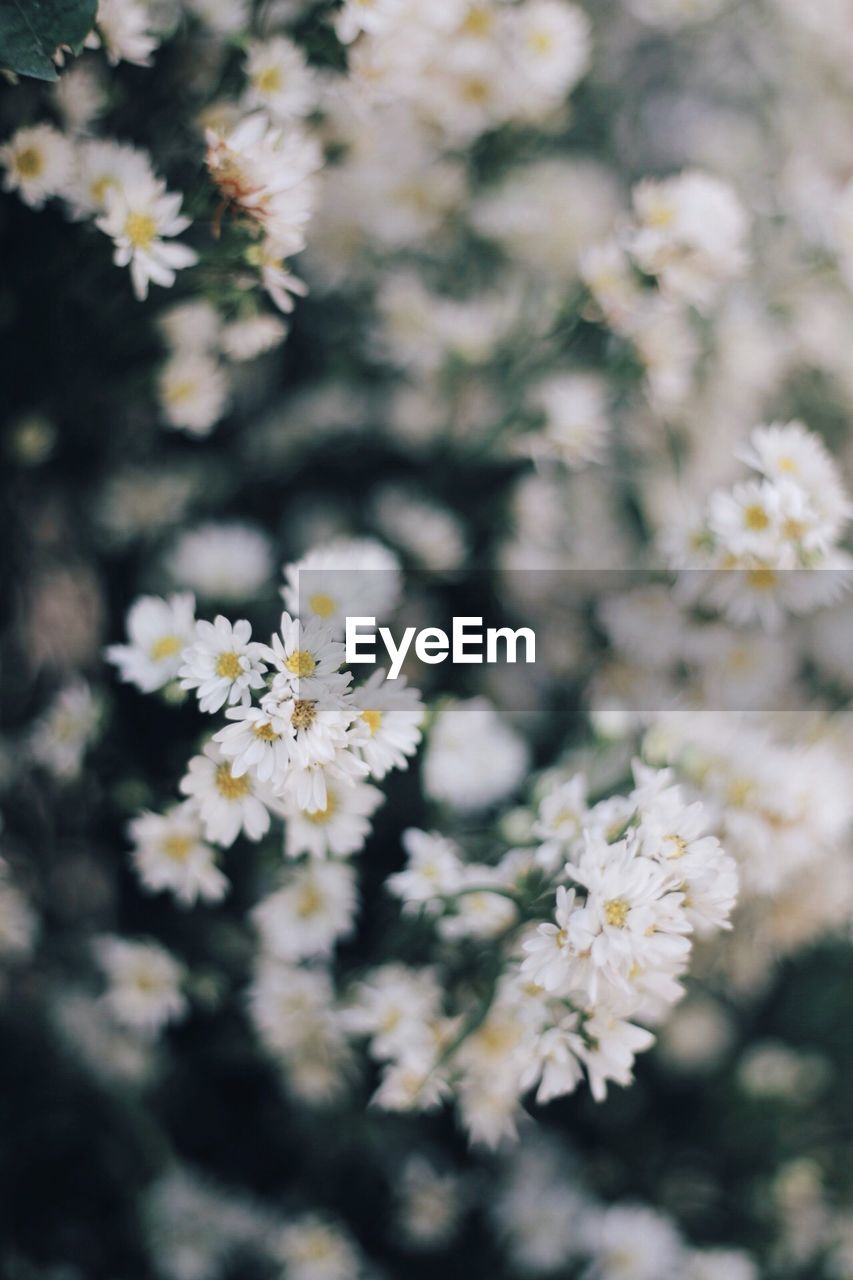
(252,336)
(223,664)
(143,983)
(123,27)
(434,870)
(347,577)
(226,805)
(101,165)
(303,656)
(138,217)
(307,786)
(266,174)
(388,728)
(314,908)
(221,561)
(319,724)
(339,827)
(258,742)
(158,630)
(169,853)
(194,390)
(280,80)
(38,164)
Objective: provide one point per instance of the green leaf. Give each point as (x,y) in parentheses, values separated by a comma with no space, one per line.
(31,31)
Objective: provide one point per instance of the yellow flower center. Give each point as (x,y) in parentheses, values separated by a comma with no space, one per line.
(228,665)
(140,229)
(165,647)
(177,847)
(679,845)
(541,41)
(308,901)
(304,714)
(269,80)
(29,162)
(794,529)
(738,792)
(755,517)
(319,816)
(323,605)
(265,731)
(762,579)
(99,188)
(301,663)
(787,464)
(230,787)
(475,90)
(478,22)
(616,912)
(373,719)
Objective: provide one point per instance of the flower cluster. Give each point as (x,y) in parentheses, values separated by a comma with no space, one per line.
(760,542)
(301,743)
(628,882)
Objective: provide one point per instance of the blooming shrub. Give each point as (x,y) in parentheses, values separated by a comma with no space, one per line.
(531,311)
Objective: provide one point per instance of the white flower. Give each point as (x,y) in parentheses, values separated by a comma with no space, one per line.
(143,983)
(123,26)
(137,218)
(550,44)
(551,952)
(317,725)
(60,737)
(267,175)
(229,562)
(633,915)
(101,165)
(312,1248)
(225,17)
(194,326)
(80,96)
(557,1064)
(293,1011)
(337,828)
(222,664)
(610,1045)
(280,80)
(38,163)
(692,234)
(392,1005)
(158,630)
(226,805)
(252,336)
(344,578)
(194,392)
(258,743)
(790,452)
(630,1242)
(169,853)
(276,277)
(314,908)
(576,425)
(431,534)
(307,785)
(303,655)
(373,16)
(720,1264)
(560,821)
(433,871)
(473,758)
(388,728)
(19,923)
